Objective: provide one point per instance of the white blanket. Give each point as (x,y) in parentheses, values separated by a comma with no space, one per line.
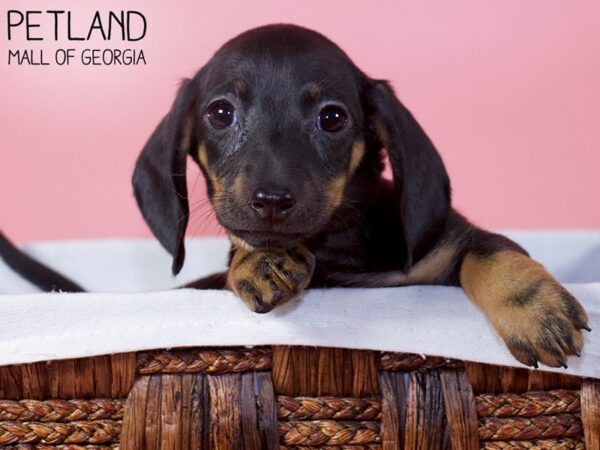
(117,317)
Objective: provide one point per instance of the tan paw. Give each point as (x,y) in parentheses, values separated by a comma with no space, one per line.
(539,320)
(542,323)
(264,279)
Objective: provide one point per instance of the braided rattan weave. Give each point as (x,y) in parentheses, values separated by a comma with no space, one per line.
(292,398)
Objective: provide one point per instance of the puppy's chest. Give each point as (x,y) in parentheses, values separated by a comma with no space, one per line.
(355,251)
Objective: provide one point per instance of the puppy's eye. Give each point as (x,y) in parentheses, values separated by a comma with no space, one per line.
(221,114)
(332,118)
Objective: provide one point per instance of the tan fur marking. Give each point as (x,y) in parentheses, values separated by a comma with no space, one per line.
(489,280)
(284,279)
(217,185)
(334,191)
(240,243)
(380,129)
(238,188)
(526,305)
(240,86)
(358,151)
(202,156)
(187,134)
(313,90)
(335,188)
(428,269)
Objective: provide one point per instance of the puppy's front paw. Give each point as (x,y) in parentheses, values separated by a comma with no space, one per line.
(538,318)
(543,324)
(264,279)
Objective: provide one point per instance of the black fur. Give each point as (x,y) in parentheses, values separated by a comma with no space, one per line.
(379,225)
(527,295)
(40,275)
(284,185)
(278,78)
(421,183)
(159,178)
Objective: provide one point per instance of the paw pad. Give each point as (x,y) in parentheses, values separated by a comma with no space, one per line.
(264,279)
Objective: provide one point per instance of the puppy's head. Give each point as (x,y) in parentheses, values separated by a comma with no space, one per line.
(285,129)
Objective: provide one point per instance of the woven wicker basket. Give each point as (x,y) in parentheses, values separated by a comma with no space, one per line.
(292,398)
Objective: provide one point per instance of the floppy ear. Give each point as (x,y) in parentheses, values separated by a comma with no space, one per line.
(159,178)
(421,182)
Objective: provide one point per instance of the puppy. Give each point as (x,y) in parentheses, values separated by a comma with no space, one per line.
(291,138)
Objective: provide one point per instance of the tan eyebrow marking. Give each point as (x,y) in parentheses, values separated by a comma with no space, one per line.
(313,90)
(240,86)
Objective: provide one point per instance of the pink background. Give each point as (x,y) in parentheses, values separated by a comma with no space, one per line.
(508,90)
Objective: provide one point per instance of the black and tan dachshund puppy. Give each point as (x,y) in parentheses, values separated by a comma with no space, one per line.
(291,137)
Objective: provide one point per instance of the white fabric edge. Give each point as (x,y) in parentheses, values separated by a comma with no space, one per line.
(415,319)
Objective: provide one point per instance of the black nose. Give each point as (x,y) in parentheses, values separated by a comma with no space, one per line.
(272,205)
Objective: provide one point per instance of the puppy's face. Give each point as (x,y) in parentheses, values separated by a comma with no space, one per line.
(281,133)
(288,131)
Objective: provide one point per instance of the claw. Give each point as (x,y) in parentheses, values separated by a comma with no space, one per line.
(586,327)
(573,349)
(262,308)
(562,362)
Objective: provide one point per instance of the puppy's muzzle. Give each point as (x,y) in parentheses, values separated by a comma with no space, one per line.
(272,205)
